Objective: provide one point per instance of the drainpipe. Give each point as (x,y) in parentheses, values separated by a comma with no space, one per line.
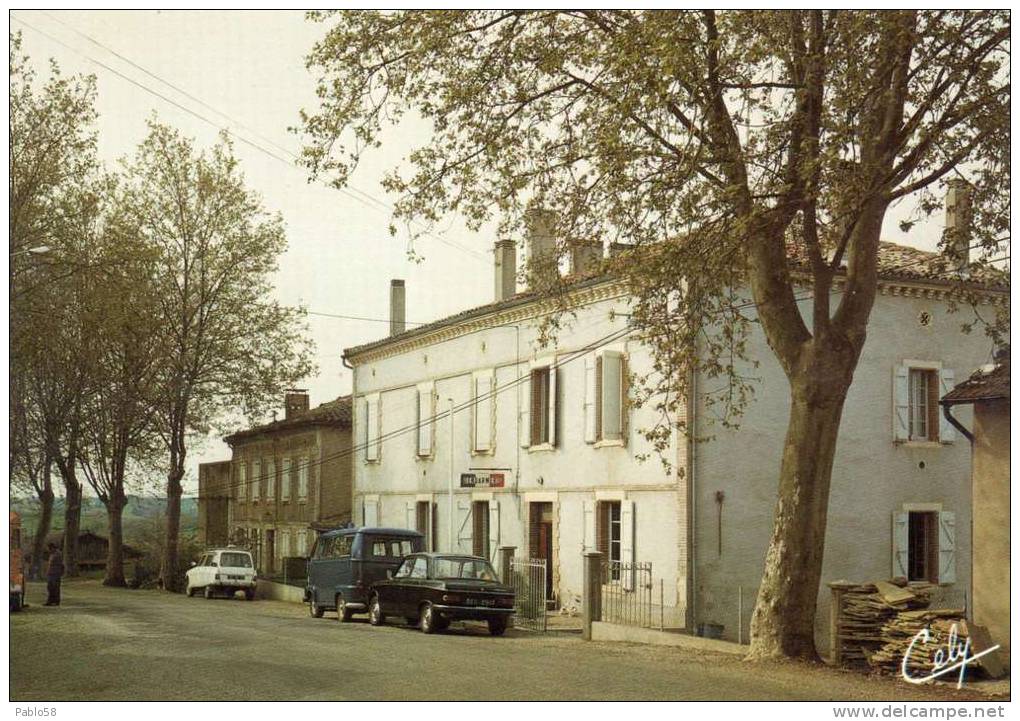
(947,411)
(450,490)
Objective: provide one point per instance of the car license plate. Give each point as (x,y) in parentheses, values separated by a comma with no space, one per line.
(481,602)
(235,578)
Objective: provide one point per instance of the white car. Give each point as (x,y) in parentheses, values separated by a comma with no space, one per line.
(223,571)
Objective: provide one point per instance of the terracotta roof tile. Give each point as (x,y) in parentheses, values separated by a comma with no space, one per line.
(982,385)
(332,413)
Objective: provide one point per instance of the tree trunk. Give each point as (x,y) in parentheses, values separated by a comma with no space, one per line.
(42,529)
(782,624)
(72,521)
(170,571)
(115,550)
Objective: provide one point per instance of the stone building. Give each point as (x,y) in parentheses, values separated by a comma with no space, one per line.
(987,392)
(289,479)
(548,453)
(213,503)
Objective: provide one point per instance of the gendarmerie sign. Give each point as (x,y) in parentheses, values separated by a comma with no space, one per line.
(482,480)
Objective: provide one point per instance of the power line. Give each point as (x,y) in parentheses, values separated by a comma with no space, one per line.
(350,191)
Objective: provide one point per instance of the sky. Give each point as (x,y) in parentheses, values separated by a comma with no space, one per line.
(203,71)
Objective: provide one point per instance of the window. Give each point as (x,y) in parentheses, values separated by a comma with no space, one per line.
(480,528)
(285,480)
(242,481)
(426,420)
(543,406)
(343,546)
(270,471)
(924,546)
(482,412)
(419,569)
(405,568)
(609,536)
(372,429)
(256,479)
(917,418)
(605,397)
(302,483)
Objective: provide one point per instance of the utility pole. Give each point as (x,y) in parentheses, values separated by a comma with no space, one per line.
(450,490)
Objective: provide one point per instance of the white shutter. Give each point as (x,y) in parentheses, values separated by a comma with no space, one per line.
(524,426)
(425,421)
(271,480)
(900,543)
(372,428)
(409,516)
(303,464)
(464,529)
(285,480)
(553,372)
(947,547)
(588,541)
(612,396)
(493,527)
(901,403)
(947,434)
(371,513)
(589,398)
(256,479)
(483,412)
(627,543)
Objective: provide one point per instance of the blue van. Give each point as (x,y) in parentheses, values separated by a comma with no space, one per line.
(345,562)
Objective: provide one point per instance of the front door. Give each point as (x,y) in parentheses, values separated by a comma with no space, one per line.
(541,540)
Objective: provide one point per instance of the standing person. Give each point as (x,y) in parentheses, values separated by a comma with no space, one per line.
(54,572)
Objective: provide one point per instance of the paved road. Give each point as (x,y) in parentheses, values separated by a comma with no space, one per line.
(116,644)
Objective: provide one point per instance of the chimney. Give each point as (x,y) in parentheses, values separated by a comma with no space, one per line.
(585,257)
(958,222)
(542,255)
(506,269)
(397,305)
(295,402)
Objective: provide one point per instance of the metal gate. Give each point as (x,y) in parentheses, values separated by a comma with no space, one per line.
(527,576)
(627,594)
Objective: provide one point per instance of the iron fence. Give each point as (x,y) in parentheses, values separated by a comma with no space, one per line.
(631,596)
(527,576)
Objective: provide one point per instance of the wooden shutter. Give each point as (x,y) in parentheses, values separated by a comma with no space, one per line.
(463,522)
(599,389)
(411,516)
(524,404)
(270,480)
(537,411)
(947,547)
(371,513)
(426,423)
(303,464)
(372,428)
(612,396)
(285,480)
(901,403)
(947,434)
(624,399)
(553,405)
(493,528)
(627,543)
(256,479)
(479,533)
(900,544)
(534,520)
(590,396)
(483,413)
(588,524)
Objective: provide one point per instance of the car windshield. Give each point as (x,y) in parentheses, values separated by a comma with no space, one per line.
(475,568)
(235,560)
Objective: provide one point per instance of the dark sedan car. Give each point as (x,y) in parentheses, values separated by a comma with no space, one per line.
(433,589)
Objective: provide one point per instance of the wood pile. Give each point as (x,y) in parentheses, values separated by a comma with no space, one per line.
(867,608)
(901,629)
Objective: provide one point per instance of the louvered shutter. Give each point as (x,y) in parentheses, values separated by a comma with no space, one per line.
(599,390)
(483,412)
(372,441)
(256,479)
(524,422)
(947,434)
(537,410)
(901,403)
(410,517)
(947,547)
(612,388)
(425,421)
(588,540)
(270,480)
(589,398)
(371,513)
(553,405)
(900,544)
(627,544)
(493,528)
(285,480)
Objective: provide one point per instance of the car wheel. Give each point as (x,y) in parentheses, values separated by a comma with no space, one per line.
(314,609)
(375,614)
(249,594)
(208,592)
(429,622)
(189,591)
(343,614)
(497,626)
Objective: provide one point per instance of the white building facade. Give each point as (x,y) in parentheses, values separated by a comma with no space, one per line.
(548,454)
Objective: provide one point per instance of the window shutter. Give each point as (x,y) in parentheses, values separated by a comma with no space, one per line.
(493,528)
(553,372)
(947,434)
(900,543)
(901,403)
(483,413)
(612,388)
(371,513)
(256,479)
(464,516)
(303,478)
(409,515)
(599,391)
(624,399)
(627,544)
(426,413)
(589,398)
(372,427)
(285,480)
(588,541)
(271,480)
(524,422)
(947,547)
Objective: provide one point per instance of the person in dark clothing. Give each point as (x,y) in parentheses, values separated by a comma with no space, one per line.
(54,572)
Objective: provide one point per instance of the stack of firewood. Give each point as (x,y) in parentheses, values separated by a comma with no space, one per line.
(867,608)
(900,630)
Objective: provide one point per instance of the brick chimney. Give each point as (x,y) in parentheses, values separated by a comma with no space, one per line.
(397,306)
(958,223)
(542,256)
(295,402)
(585,257)
(506,269)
